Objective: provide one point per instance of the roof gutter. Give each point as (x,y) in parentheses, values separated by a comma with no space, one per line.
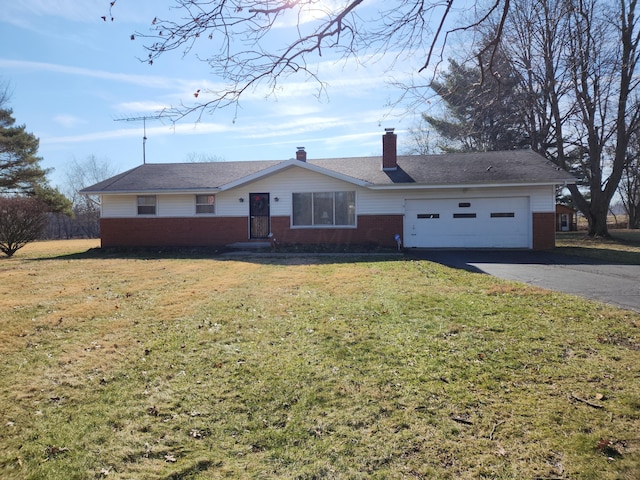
(423,186)
(182,191)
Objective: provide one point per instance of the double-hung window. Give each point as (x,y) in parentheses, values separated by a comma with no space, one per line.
(205,204)
(324,209)
(146,205)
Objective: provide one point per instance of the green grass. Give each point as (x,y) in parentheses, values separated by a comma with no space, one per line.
(623,247)
(306,368)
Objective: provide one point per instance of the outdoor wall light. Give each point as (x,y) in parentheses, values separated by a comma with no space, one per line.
(241,199)
(277,199)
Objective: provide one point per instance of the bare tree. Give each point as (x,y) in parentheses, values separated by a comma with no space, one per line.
(86,208)
(199,157)
(421,141)
(578,59)
(629,188)
(22,220)
(243,43)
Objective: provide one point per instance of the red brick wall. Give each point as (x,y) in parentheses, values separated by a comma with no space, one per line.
(377,229)
(544,231)
(172,232)
(218,231)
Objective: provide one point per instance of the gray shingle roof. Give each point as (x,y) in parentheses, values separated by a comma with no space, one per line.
(179,176)
(506,167)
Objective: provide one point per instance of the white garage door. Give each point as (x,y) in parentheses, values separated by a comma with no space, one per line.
(468,223)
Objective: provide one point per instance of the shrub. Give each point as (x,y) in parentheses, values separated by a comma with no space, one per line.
(22,219)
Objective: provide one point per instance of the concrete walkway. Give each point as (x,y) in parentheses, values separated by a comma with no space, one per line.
(607,282)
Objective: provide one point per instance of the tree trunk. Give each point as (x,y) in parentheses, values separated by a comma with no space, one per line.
(597,217)
(634,216)
(595,211)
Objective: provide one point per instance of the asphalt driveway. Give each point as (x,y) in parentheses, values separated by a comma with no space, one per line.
(607,282)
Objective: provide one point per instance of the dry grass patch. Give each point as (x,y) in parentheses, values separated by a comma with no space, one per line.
(174,367)
(623,247)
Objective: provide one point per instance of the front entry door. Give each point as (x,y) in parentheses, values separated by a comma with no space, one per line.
(259,215)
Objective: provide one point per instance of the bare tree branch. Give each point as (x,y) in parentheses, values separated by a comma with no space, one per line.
(243,43)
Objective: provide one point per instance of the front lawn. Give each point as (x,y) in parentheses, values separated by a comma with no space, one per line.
(177,367)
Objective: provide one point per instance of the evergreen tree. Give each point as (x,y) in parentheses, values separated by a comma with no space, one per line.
(482,107)
(20,170)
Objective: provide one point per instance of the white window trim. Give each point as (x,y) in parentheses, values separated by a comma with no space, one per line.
(322,226)
(155,206)
(204,214)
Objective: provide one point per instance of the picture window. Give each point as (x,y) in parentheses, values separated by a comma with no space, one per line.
(324,209)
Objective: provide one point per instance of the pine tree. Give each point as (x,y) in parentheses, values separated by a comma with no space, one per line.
(482,111)
(20,170)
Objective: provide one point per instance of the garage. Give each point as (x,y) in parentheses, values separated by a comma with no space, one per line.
(468,223)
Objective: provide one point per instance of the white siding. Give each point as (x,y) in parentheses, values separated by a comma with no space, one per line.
(543,199)
(371,202)
(176,205)
(119,206)
(166,205)
(282,184)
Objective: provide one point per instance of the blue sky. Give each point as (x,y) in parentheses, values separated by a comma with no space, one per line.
(72,75)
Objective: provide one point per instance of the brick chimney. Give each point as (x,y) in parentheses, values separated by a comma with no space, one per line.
(389,151)
(301,154)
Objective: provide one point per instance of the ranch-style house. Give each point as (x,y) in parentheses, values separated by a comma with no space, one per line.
(500,199)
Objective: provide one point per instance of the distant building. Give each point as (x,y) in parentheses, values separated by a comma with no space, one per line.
(566,219)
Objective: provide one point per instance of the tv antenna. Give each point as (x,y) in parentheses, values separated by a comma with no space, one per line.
(143,119)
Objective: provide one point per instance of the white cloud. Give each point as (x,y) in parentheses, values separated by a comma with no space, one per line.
(141,107)
(201,128)
(297,110)
(22,11)
(91,137)
(137,131)
(68,121)
(17,12)
(265,127)
(139,80)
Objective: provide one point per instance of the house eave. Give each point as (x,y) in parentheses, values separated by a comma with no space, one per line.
(168,191)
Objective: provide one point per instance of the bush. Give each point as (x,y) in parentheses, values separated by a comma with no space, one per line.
(22,220)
